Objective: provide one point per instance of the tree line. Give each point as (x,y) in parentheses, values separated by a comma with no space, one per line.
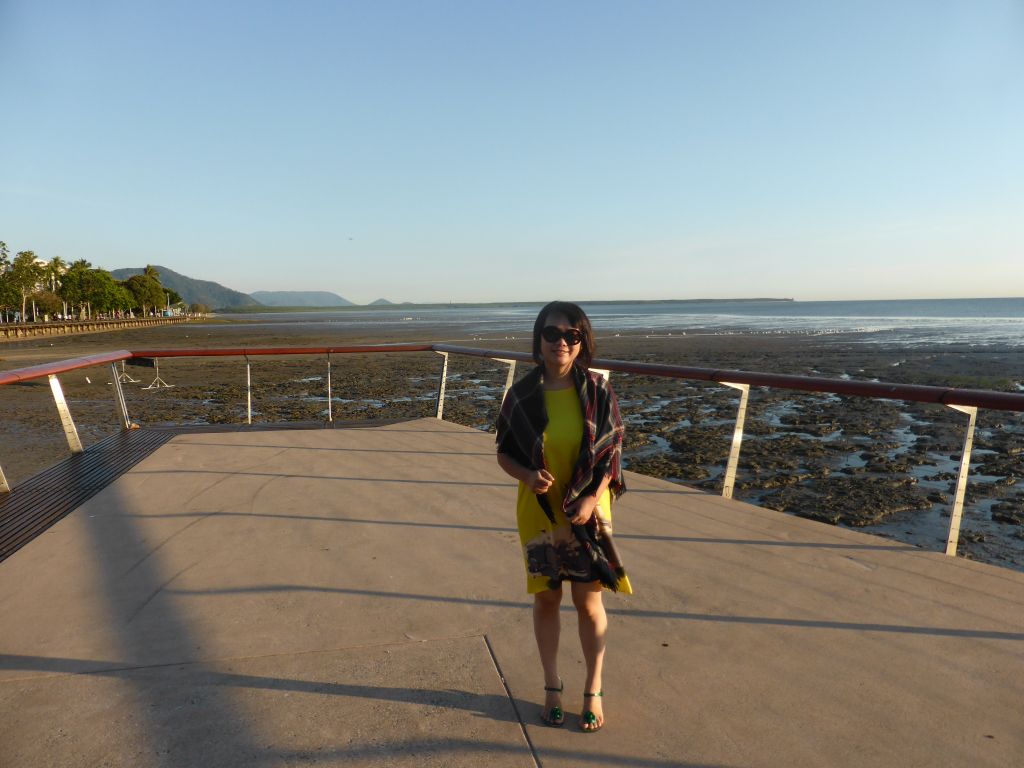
(31,290)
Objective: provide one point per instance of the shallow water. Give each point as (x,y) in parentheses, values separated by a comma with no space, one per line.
(944,322)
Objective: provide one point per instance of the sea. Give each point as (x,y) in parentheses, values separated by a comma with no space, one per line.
(995,322)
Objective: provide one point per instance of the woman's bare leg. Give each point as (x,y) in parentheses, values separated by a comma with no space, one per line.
(593,626)
(547,628)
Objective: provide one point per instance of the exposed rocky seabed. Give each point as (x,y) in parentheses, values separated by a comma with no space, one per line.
(884,466)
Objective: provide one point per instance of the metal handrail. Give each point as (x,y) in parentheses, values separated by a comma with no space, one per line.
(918,393)
(257,351)
(62,366)
(967,401)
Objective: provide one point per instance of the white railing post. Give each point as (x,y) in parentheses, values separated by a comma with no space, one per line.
(511,375)
(961,480)
(440,387)
(65,415)
(330,404)
(737,439)
(248,391)
(126,422)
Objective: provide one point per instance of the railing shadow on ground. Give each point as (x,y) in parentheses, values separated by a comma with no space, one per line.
(339,478)
(769,621)
(897,565)
(500,529)
(342,449)
(476,704)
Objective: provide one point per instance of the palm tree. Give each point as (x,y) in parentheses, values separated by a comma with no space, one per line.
(54,270)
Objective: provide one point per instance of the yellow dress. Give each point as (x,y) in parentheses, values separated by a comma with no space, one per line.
(551,552)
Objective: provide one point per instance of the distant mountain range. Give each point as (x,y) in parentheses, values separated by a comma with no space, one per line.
(300,299)
(213,295)
(216,296)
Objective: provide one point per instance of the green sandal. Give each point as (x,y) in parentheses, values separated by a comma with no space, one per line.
(554,717)
(588,722)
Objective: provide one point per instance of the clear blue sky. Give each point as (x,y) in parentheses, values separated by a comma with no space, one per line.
(485,151)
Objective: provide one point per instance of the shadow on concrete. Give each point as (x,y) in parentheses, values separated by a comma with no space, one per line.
(682,490)
(499,529)
(637,613)
(444,746)
(121,610)
(204,674)
(201,675)
(342,478)
(761,542)
(335,450)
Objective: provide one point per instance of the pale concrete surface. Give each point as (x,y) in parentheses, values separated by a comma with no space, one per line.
(346,597)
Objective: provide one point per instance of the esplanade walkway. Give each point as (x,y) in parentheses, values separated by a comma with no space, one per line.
(355,596)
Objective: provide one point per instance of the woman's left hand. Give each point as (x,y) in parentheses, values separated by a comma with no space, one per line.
(582,510)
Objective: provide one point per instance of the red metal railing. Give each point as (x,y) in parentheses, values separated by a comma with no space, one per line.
(979,398)
(258,351)
(62,366)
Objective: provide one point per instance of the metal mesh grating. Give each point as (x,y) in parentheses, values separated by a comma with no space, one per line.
(42,500)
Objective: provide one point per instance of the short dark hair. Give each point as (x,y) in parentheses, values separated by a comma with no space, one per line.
(577,319)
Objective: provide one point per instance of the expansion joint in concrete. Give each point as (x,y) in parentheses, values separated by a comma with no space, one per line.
(512,701)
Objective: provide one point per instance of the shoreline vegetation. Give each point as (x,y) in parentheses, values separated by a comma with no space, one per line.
(34,289)
(887,467)
(29,330)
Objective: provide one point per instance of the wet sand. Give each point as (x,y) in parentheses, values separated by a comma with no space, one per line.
(885,466)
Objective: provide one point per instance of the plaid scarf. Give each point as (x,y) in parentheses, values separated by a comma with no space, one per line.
(523,419)
(521,425)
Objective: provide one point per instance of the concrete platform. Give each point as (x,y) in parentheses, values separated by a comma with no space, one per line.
(356,597)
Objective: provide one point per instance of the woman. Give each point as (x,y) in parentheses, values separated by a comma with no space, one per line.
(560,436)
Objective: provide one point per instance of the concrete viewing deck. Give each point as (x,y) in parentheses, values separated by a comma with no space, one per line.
(356,597)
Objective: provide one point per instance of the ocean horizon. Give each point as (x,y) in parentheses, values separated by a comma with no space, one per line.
(971,322)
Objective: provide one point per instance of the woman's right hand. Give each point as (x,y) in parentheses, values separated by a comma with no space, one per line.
(540,480)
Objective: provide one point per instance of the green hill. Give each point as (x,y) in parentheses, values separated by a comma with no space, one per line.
(300,299)
(192,291)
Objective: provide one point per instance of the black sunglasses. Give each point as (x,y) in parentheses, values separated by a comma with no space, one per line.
(551,334)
